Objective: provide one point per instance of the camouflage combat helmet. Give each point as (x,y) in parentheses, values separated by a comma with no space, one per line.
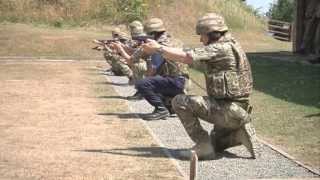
(211,22)
(136,28)
(117,32)
(154,25)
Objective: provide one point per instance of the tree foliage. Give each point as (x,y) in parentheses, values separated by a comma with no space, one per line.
(282,10)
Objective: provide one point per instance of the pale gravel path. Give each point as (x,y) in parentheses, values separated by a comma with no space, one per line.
(232,165)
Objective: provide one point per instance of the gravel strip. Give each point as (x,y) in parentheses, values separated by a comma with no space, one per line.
(233,164)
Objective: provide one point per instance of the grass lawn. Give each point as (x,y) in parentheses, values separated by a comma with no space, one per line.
(287,106)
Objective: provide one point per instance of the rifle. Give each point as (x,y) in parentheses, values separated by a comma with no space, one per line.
(101,43)
(109,41)
(142,39)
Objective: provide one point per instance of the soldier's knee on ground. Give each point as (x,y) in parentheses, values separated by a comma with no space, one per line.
(239,113)
(222,139)
(179,102)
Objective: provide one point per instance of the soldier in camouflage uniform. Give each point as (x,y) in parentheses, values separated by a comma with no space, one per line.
(168,78)
(139,66)
(229,84)
(117,63)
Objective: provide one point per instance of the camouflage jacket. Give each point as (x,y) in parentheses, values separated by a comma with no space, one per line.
(167,68)
(228,72)
(171,68)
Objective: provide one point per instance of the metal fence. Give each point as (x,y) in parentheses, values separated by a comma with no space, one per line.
(280,30)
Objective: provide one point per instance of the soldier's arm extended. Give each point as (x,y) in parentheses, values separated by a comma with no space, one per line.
(205,53)
(175,54)
(119,48)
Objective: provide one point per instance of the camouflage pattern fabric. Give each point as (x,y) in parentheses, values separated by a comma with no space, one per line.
(117,64)
(228,72)
(229,83)
(139,69)
(211,22)
(231,121)
(136,29)
(171,68)
(154,25)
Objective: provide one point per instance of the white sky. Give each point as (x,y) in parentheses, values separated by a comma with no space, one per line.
(263,5)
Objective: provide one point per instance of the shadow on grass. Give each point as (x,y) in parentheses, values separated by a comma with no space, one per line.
(291,81)
(155,152)
(123,115)
(113,83)
(134,116)
(313,115)
(113,97)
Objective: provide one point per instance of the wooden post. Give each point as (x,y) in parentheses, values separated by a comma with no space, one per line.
(193,165)
(298,29)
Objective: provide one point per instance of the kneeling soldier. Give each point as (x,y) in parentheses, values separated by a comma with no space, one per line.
(229,84)
(166,79)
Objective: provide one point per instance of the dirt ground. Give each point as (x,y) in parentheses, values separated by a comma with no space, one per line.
(56,122)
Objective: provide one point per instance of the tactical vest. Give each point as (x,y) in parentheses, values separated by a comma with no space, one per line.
(229,76)
(172,68)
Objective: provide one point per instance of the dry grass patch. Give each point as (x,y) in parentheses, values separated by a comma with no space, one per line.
(27,40)
(52,127)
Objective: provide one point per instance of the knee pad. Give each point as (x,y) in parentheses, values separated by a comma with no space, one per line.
(240,114)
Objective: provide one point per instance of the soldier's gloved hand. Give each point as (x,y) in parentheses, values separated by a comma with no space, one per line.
(151,46)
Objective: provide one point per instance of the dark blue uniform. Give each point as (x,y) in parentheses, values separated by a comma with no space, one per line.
(156,88)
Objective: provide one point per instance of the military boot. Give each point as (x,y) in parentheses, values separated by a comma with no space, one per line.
(246,136)
(223,139)
(204,151)
(158,113)
(167,103)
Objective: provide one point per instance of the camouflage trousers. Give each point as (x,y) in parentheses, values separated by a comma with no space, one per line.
(117,65)
(231,121)
(139,69)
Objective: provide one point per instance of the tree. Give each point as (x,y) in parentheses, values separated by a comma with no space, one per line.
(282,10)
